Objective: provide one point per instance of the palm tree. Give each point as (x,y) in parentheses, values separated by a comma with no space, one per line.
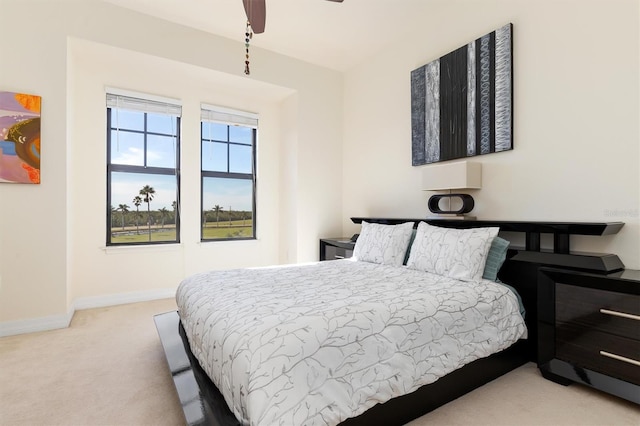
(174,206)
(137,201)
(148,192)
(123,209)
(163,214)
(217,209)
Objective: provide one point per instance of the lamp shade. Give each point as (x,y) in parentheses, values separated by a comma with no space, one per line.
(459,175)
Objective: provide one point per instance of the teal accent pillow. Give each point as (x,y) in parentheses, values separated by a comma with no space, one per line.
(495,258)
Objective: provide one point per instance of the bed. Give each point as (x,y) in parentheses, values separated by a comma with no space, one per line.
(410,380)
(383,398)
(319,343)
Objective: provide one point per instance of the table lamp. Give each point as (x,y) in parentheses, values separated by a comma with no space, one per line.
(456,176)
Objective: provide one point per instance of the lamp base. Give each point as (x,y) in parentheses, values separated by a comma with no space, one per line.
(466,199)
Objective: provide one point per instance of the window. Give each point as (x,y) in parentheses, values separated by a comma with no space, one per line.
(143,171)
(228,151)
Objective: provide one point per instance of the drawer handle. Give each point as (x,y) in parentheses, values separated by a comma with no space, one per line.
(342,257)
(620,314)
(620,358)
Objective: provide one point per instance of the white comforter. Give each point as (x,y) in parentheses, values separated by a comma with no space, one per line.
(318,343)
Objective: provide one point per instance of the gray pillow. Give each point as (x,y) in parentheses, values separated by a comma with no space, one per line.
(495,258)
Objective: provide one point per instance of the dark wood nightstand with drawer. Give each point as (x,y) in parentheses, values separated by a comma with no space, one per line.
(589,329)
(336,248)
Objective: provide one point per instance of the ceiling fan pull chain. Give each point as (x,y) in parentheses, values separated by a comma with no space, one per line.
(248,34)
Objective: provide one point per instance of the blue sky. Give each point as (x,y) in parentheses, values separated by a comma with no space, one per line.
(127,148)
(125,186)
(227,193)
(234,193)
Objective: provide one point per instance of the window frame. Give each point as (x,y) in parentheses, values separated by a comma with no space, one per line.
(228,174)
(143,169)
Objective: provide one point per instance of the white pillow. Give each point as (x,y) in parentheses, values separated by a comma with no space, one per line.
(385,244)
(455,253)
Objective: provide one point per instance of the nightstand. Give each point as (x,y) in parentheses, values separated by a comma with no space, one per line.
(336,248)
(589,329)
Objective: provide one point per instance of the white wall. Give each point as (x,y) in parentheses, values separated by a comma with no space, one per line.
(52,235)
(94,67)
(33,265)
(576,150)
(343,141)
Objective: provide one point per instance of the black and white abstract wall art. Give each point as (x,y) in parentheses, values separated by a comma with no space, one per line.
(462,103)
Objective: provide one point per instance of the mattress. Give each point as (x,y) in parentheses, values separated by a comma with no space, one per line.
(318,343)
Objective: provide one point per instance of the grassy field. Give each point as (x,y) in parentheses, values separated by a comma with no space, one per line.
(168,234)
(235,229)
(237,232)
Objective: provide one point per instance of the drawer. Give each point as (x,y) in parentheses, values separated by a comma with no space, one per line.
(608,311)
(583,347)
(333,252)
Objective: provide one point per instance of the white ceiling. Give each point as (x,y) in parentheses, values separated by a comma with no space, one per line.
(334,35)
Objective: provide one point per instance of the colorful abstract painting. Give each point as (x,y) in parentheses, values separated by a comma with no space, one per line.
(19,138)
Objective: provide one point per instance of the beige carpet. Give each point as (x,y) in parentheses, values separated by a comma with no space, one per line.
(108,368)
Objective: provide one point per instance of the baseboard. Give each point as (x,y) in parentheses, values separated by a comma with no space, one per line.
(54,322)
(122,298)
(32,325)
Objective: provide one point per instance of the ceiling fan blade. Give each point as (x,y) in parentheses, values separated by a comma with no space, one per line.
(337,1)
(256,14)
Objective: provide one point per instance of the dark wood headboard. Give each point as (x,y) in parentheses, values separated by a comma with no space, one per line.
(520,270)
(560,255)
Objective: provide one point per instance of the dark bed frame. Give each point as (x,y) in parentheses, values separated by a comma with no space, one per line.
(204,405)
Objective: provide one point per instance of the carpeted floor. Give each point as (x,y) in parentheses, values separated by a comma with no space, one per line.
(108,368)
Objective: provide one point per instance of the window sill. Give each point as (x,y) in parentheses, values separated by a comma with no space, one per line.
(142,248)
(214,243)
